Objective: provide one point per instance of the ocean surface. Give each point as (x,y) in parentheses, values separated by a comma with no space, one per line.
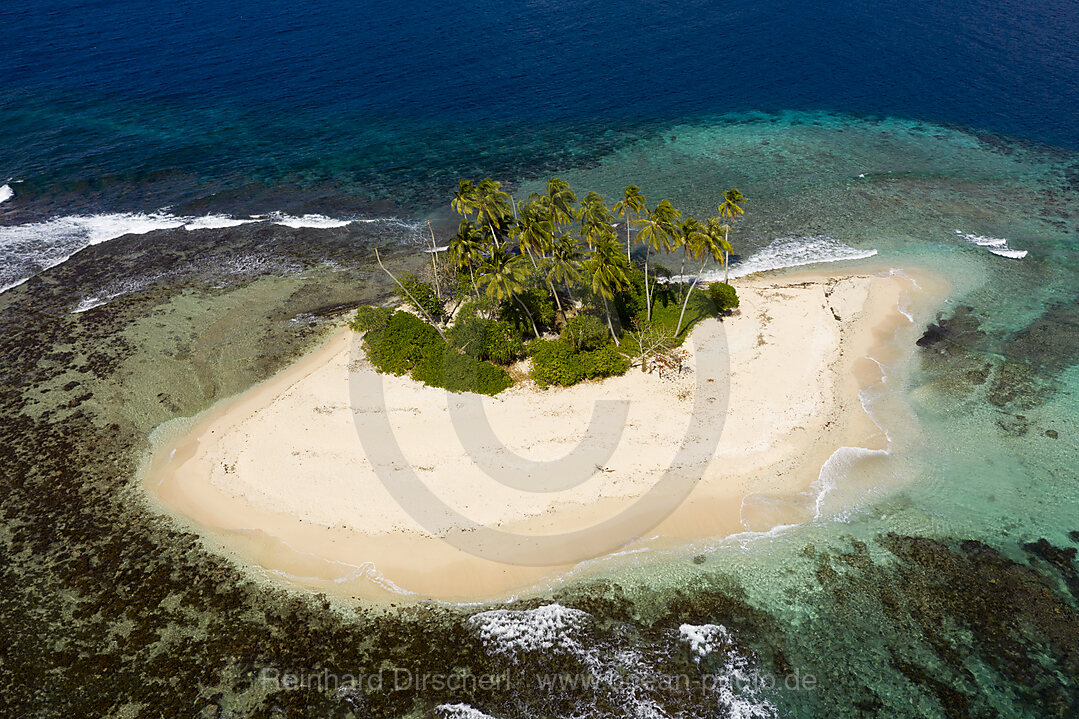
(189,191)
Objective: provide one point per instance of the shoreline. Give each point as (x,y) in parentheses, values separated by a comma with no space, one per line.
(255,475)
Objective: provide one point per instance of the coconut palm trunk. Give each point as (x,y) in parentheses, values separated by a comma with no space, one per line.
(524,307)
(685,303)
(647,292)
(434,256)
(682,272)
(726,258)
(610,325)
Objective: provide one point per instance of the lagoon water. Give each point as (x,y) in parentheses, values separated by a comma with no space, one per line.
(189,190)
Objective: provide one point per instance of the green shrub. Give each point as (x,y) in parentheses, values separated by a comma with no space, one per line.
(468,335)
(539,304)
(407,343)
(461,373)
(723,296)
(555,362)
(420,295)
(369,317)
(483,339)
(502,343)
(585,332)
(445,367)
(396,347)
(603,362)
(483,308)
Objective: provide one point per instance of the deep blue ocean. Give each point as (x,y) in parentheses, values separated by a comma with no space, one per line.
(134,104)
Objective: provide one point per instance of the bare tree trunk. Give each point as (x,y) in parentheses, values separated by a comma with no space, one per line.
(557,301)
(434,254)
(403,289)
(530,319)
(682,273)
(610,325)
(686,302)
(647,292)
(629,251)
(726,258)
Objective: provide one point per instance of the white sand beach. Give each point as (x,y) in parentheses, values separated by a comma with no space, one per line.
(280,476)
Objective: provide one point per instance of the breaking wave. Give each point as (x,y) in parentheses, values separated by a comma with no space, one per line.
(785,252)
(567,650)
(27,249)
(996,245)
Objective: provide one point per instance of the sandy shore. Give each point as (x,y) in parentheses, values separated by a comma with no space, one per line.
(294,476)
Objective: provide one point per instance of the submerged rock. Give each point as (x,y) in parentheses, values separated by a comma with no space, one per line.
(1050,344)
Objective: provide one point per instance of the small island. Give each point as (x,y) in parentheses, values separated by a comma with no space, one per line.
(540,310)
(549,280)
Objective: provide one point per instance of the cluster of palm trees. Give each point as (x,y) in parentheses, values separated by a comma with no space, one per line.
(559,241)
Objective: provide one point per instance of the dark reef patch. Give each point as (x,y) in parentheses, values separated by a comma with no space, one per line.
(1015,373)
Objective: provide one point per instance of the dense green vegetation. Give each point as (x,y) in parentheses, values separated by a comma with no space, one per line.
(408,344)
(723,296)
(547,278)
(370,318)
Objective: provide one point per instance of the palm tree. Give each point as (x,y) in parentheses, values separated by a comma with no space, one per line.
(609,272)
(560,203)
(465,199)
(632,201)
(657,233)
(704,245)
(564,264)
(535,236)
(686,237)
(503,276)
(719,232)
(533,230)
(728,210)
(595,218)
(466,250)
(492,205)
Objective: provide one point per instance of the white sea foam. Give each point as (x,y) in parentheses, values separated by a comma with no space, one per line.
(617,671)
(785,252)
(459,711)
(547,628)
(835,468)
(703,639)
(317,221)
(214,222)
(6,193)
(30,248)
(795,252)
(1010,254)
(738,686)
(996,245)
